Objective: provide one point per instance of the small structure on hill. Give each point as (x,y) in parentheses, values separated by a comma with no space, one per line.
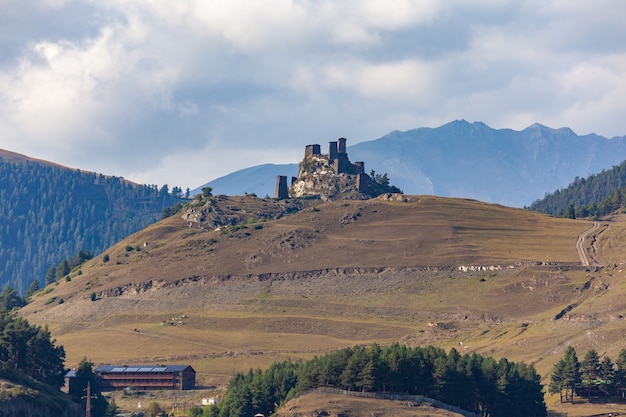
(70,377)
(146,377)
(331,176)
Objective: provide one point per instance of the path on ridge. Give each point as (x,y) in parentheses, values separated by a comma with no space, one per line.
(588,252)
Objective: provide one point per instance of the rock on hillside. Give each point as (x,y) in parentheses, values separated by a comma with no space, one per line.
(222,211)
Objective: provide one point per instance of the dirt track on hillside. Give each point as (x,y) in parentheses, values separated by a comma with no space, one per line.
(586,245)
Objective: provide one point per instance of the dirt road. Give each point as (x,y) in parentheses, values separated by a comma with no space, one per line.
(586,245)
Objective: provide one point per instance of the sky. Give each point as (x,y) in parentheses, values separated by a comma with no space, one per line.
(182,92)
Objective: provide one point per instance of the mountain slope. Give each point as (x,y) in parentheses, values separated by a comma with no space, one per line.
(427,270)
(596,195)
(49,212)
(472,160)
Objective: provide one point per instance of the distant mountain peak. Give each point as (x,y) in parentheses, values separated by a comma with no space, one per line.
(562,131)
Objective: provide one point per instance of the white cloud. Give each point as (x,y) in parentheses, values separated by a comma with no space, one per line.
(174,91)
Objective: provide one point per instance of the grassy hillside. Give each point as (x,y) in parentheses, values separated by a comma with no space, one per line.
(336,274)
(49,213)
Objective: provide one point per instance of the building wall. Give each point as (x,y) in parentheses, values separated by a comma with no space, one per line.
(175,380)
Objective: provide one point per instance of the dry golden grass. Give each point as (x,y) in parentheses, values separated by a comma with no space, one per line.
(332,405)
(344,273)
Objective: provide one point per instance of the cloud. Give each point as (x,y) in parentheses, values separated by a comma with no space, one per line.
(183,92)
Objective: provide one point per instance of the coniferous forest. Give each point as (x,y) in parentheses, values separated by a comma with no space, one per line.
(594,196)
(50,213)
(483,385)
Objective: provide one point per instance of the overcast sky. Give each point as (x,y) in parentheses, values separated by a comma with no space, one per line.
(180,92)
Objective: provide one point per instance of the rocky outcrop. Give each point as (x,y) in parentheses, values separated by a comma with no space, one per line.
(333,177)
(316,178)
(222,211)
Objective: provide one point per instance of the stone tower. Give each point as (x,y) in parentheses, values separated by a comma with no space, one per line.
(332,151)
(281,187)
(341,148)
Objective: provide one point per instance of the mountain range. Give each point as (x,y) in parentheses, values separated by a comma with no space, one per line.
(462,159)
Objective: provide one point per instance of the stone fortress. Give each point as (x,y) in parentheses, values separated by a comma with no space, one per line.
(331,177)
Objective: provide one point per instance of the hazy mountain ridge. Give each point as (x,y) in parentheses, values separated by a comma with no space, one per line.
(462,159)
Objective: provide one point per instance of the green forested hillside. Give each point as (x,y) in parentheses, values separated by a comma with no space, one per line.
(49,213)
(596,195)
(474,383)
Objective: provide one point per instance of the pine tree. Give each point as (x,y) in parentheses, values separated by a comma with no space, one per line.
(63,269)
(590,371)
(51,275)
(607,376)
(34,287)
(566,375)
(10,299)
(620,373)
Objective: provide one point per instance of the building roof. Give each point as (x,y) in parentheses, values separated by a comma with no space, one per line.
(143,368)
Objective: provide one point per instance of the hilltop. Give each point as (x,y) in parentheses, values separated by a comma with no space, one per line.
(425,270)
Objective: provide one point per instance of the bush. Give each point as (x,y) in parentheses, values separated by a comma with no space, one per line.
(93,296)
(105,258)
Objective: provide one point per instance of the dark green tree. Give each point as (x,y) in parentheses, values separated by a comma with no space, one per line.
(81,257)
(78,388)
(45,360)
(607,376)
(51,275)
(10,299)
(590,372)
(63,269)
(29,350)
(34,287)
(620,373)
(566,375)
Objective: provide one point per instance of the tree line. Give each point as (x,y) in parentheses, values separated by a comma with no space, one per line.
(48,213)
(29,351)
(483,385)
(594,196)
(594,376)
(29,356)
